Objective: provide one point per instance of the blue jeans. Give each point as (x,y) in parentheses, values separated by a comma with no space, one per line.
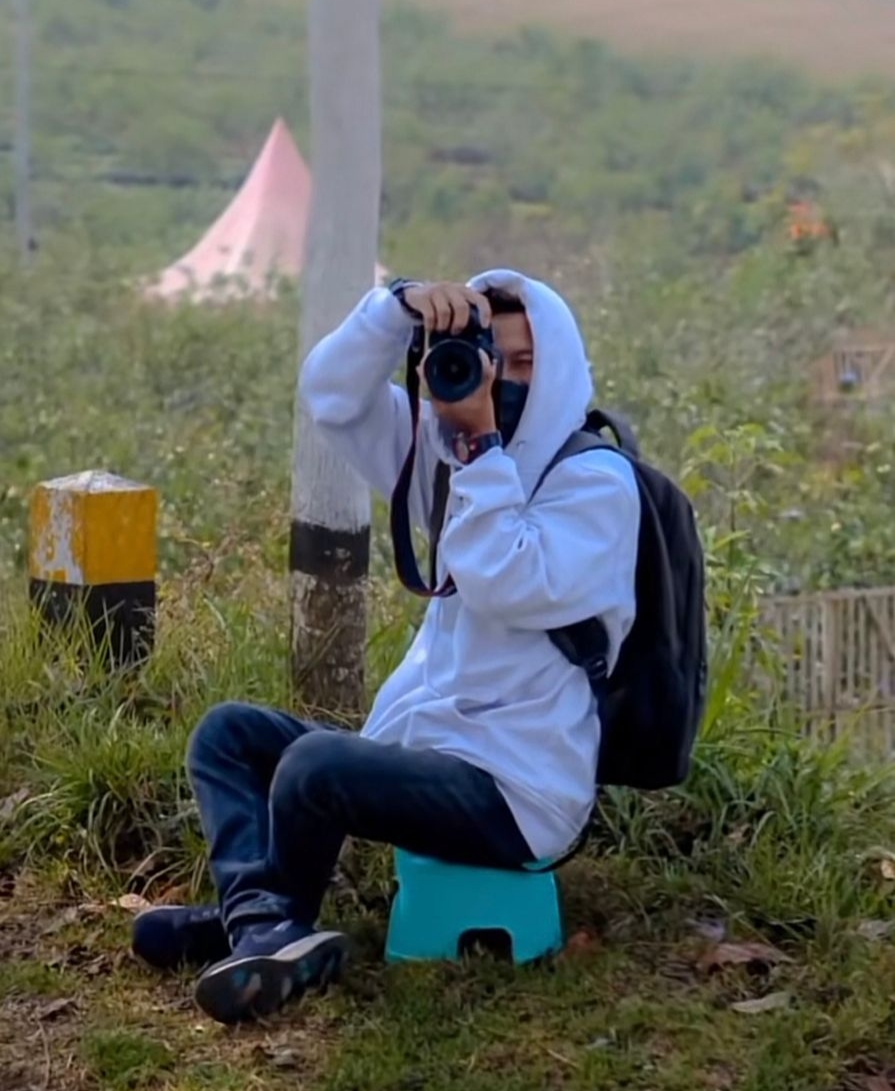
(278,796)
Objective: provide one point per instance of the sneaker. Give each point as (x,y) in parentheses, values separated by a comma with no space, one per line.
(170,936)
(267,967)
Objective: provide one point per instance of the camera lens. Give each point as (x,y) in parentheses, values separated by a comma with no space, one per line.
(453,370)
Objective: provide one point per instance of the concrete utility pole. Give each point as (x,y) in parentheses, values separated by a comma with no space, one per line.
(23,129)
(330,539)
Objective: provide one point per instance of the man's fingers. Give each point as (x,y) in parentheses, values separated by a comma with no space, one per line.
(444,312)
(461,313)
(480,302)
(422,304)
(446,307)
(489,371)
(424,386)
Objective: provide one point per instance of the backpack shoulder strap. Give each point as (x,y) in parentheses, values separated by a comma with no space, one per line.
(441,488)
(576,444)
(600,419)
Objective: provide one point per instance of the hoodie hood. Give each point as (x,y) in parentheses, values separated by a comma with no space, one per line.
(561,383)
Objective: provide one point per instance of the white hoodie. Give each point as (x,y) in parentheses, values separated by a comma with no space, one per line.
(482,680)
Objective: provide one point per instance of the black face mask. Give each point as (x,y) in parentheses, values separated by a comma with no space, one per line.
(511,398)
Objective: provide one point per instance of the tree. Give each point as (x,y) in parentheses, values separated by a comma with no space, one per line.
(330,534)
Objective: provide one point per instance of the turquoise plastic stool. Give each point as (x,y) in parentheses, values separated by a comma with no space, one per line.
(439,904)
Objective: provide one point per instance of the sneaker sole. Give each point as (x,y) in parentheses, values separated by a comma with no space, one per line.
(260,985)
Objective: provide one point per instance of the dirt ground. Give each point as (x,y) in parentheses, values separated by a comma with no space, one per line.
(832,37)
(77,1012)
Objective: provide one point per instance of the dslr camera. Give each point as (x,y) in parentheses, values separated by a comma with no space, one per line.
(453,367)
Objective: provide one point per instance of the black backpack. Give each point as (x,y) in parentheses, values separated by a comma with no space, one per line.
(652,704)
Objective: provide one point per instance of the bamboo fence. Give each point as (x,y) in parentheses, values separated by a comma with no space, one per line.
(837,663)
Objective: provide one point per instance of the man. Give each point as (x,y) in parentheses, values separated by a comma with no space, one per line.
(481,748)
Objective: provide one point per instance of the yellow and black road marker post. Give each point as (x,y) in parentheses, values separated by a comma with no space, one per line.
(92,554)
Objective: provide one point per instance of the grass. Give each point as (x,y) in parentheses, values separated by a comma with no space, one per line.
(769,840)
(125,1059)
(628,1009)
(31,979)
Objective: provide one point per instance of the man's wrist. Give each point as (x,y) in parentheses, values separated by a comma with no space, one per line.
(468,447)
(397,287)
(474,423)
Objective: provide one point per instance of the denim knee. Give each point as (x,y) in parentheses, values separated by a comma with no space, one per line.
(218,732)
(308,772)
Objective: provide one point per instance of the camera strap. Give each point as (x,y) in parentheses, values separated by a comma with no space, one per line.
(402,533)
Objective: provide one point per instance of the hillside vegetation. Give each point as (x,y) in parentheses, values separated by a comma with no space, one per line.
(147,115)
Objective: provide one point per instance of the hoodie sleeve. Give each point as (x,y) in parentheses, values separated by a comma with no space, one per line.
(364,417)
(568,555)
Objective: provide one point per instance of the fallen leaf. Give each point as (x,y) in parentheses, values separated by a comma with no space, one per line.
(721,1078)
(878,1083)
(119,958)
(70,915)
(712,928)
(677,969)
(56,1006)
(285,1058)
(279,1057)
(887,867)
(758,955)
(80,956)
(101,964)
(173,895)
(66,917)
(10,804)
(581,943)
(132,902)
(874,930)
(771,1002)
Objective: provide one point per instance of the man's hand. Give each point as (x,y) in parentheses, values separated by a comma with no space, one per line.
(444,307)
(473,415)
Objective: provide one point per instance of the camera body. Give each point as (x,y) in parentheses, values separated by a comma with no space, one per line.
(453,367)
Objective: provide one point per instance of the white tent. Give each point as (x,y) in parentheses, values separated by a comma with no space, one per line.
(258,239)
